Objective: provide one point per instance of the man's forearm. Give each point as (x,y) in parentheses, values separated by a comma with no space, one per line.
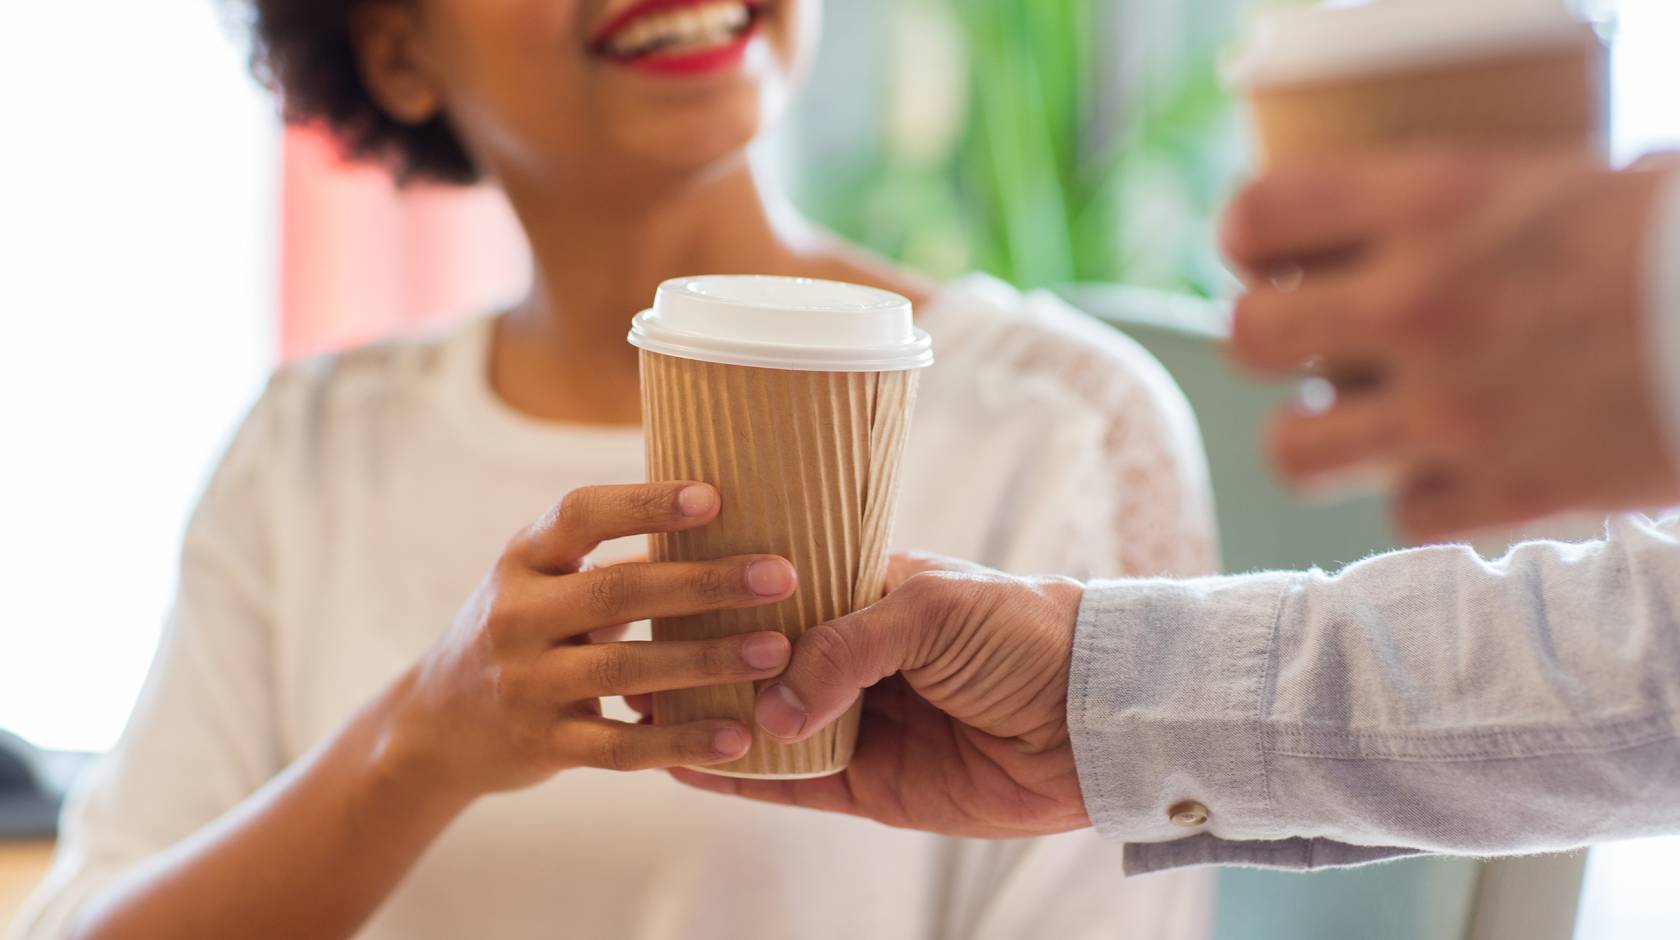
(1427,700)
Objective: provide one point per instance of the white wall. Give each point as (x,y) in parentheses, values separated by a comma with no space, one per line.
(137,219)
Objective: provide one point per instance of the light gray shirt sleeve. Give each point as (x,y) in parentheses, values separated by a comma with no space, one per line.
(1421,701)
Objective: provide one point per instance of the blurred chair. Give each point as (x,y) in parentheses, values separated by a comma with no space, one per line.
(1261,526)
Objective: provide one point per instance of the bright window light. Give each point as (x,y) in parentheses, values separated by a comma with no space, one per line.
(1647,113)
(137,219)
(1629,891)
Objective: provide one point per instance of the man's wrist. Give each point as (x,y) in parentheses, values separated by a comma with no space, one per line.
(1165,696)
(1066,597)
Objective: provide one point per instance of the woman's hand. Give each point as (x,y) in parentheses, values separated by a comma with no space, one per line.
(509,697)
(970,738)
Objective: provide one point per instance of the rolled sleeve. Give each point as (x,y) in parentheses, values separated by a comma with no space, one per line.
(1165,704)
(1285,854)
(1426,700)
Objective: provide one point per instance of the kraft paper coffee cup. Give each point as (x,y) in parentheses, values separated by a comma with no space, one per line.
(793,397)
(1394,72)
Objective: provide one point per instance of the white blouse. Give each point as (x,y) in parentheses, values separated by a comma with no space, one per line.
(368,492)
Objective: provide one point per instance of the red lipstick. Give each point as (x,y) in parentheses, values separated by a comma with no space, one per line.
(671,63)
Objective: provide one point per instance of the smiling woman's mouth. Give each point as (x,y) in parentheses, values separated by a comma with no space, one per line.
(690,34)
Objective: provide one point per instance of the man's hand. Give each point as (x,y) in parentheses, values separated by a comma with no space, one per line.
(1480,314)
(969,736)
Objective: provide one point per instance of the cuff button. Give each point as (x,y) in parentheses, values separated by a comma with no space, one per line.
(1188,815)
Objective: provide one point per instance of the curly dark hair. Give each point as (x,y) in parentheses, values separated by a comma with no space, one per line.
(301,49)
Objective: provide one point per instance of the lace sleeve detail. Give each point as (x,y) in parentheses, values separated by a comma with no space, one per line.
(1145,506)
(1153,474)
(1160,516)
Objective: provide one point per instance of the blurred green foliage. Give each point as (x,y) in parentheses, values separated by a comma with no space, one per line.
(1082,147)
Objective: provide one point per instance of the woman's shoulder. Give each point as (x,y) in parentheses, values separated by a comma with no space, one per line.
(316,407)
(1019,349)
(373,376)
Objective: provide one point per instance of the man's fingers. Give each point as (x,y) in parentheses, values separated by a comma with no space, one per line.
(1309,211)
(834,661)
(587,672)
(588,741)
(559,541)
(593,600)
(1436,506)
(1275,330)
(711,783)
(1358,433)
(1298,212)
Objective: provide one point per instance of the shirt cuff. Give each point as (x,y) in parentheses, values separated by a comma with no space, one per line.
(1662,309)
(1280,854)
(1165,703)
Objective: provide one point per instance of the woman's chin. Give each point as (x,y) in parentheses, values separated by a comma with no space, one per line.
(695,142)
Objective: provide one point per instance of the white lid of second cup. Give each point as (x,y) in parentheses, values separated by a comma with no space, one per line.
(783,323)
(1333,40)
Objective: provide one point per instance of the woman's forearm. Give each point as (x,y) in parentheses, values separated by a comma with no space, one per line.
(506,699)
(312,854)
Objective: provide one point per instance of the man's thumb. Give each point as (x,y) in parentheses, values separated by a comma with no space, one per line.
(832,663)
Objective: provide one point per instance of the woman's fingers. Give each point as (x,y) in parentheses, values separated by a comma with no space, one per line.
(588,741)
(588,672)
(551,611)
(559,541)
(583,603)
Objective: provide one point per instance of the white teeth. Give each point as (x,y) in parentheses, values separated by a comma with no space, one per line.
(684,30)
(730,16)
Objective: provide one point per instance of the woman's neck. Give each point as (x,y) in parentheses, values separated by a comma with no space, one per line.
(598,258)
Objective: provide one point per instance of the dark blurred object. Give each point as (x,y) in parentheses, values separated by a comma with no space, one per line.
(32,787)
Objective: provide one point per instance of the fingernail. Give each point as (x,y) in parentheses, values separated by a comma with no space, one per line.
(696,500)
(731,741)
(765,651)
(770,578)
(780,712)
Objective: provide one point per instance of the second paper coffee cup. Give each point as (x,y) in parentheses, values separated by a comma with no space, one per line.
(793,397)
(1395,72)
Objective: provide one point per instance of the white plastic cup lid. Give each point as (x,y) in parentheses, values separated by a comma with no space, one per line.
(783,323)
(1301,45)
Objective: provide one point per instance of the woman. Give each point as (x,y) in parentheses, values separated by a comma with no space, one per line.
(341,733)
